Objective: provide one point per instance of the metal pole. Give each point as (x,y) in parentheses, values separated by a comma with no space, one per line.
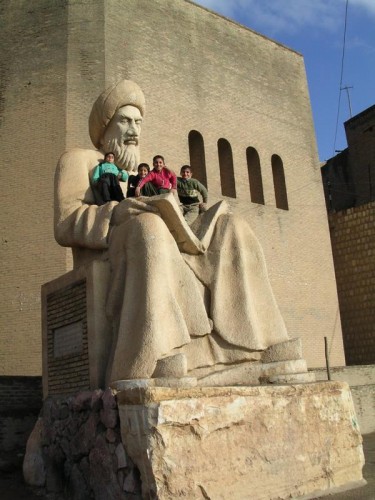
(327,358)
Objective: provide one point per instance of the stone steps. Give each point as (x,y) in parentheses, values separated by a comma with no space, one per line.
(292,378)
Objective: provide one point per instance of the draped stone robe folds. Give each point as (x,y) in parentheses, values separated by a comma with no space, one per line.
(216,304)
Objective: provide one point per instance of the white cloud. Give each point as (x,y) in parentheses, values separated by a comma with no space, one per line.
(359,43)
(367,5)
(281,16)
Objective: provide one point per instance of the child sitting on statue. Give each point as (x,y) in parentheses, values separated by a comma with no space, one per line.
(188,189)
(163,179)
(106,179)
(148,189)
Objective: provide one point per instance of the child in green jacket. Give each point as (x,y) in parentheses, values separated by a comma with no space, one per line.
(188,190)
(106,179)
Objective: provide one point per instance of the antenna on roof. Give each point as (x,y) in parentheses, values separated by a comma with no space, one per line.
(341,73)
(347,93)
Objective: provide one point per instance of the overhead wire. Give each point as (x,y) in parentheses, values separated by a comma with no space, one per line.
(341,76)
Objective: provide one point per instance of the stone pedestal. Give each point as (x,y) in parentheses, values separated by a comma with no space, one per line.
(265,442)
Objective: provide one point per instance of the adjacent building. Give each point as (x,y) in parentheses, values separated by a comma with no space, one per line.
(349,187)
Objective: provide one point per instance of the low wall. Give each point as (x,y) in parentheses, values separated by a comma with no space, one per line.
(361,380)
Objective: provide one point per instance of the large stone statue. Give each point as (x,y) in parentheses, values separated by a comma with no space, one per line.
(181,299)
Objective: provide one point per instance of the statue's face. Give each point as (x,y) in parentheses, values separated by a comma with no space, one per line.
(122,136)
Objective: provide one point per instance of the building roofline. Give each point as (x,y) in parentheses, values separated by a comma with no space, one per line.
(244,27)
(342,153)
(360,115)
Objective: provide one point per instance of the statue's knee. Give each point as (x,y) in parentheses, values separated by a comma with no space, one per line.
(232,221)
(237,227)
(148,223)
(139,229)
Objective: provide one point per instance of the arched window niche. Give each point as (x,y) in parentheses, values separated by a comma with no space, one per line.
(255,176)
(228,185)
(281,196)
(197,156)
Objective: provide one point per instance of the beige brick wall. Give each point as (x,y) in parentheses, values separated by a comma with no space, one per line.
(353,245)
(33,122)
(199,72)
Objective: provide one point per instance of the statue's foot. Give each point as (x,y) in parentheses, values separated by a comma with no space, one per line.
(283,351)
(283,363)
(171,367)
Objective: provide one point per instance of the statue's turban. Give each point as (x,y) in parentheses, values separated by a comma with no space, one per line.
(121,94)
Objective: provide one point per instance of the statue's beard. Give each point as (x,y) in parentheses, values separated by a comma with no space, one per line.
(126,155)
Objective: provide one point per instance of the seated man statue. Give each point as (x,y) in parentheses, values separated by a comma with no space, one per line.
(174,308)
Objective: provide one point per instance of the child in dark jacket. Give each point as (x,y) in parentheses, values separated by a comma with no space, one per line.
(147,190)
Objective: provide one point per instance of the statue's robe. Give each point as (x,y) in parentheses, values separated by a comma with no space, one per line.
(215,304)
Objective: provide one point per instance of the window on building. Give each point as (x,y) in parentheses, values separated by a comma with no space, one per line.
(279,183)
(228,186)
(197,156)
(255,176)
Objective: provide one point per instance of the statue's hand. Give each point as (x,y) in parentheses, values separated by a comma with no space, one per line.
(129,208)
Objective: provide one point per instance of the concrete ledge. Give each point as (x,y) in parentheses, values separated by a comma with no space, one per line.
(364,403)
(361,380)
(353,375)
(294,441)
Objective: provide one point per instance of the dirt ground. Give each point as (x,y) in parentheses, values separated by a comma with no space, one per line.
(12,486)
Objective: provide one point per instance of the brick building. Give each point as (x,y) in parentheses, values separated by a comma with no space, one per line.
(230,101)
(349,177)
(349,186)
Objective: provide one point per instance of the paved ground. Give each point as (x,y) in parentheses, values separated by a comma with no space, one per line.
(12,486)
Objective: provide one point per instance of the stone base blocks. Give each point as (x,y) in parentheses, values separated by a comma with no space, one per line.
(75,450)
(265,442)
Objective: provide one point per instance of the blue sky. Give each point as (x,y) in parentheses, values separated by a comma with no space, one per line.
(315,28)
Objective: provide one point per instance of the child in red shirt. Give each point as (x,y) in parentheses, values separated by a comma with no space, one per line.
(160,176)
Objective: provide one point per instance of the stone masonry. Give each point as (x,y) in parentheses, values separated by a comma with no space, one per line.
(75,450)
